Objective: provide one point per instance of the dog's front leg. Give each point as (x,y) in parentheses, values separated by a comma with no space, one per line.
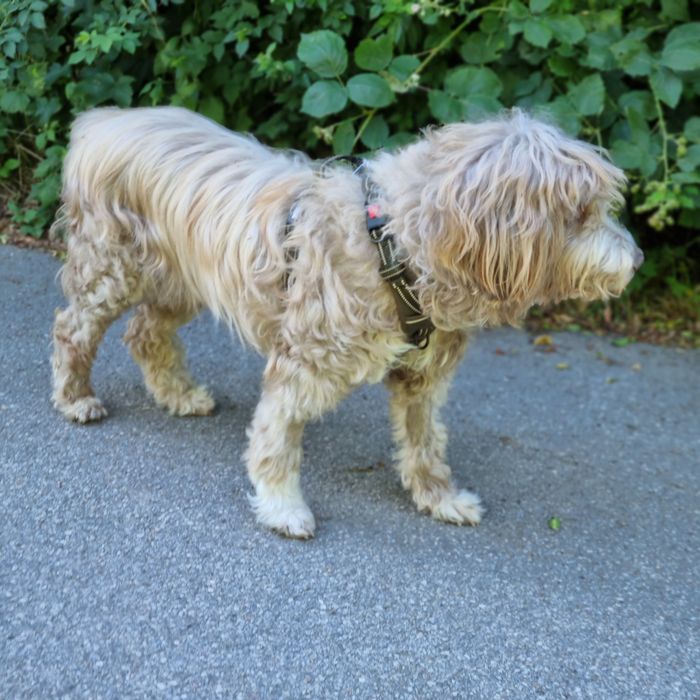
(273,459)
(421,441)
(291,395)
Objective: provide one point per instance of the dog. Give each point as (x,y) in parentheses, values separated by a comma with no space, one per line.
(169,212)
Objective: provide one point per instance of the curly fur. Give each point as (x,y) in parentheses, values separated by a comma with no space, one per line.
(169,212)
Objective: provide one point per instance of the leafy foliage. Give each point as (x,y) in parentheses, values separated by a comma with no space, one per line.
(343,75)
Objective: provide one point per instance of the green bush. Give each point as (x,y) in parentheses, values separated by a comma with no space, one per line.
(343,75)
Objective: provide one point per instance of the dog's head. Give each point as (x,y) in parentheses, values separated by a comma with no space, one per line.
(517,213)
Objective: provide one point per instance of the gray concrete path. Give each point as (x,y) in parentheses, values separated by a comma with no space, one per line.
(130,564)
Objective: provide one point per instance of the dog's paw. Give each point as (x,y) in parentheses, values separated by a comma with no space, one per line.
(194,402)
(458,507)
(84,410)
(297,523)
(293,520)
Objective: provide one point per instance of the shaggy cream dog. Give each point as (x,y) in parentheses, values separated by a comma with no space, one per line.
(168,212)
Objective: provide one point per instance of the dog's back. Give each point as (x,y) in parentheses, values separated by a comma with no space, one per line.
(182,196)
(113,149)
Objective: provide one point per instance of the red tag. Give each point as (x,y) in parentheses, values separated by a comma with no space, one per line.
(373,211)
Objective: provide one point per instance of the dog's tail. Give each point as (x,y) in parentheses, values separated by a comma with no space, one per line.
(78,178)
(80,181)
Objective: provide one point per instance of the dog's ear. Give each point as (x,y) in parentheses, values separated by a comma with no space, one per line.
(500,198)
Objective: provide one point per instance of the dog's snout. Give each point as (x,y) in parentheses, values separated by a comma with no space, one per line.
(638,259)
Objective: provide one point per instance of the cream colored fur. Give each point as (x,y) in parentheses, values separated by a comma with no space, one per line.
(168,212)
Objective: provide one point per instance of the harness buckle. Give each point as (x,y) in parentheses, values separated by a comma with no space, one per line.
(375,218)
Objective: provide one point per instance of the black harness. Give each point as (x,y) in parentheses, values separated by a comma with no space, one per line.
(416,326)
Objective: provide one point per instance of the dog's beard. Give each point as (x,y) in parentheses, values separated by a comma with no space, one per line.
(598,264)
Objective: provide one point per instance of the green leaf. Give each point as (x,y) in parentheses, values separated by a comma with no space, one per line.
(527,86)
(634,154)
(626,155)
(641,101)
(492,23)
(13,102)
(539,5)
(376,132)
(682,48)
(121,91)
(692,129)
(639,129)
(691,160)
(686,178)
(213,108)
(477,107)
(554,524)
(45,109)
(537,32)
(517,10)
(445,108)
(103,42)
(323,52)
(565,115)
(622,342)
(588,96)
(666,86)
(242,46)
(370,90)
(343,139)
(374,54)
(567,29)
(324,97)
(599,55)
(465,82)
(482,48)
(538,97)
(403,67)
(632,56)
(398,140)
(38,20)
(675,9)
(561,66)
(7,167)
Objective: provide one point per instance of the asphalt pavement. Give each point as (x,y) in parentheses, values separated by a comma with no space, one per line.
(131,564)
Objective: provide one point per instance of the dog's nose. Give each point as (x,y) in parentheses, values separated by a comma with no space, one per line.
(638,259)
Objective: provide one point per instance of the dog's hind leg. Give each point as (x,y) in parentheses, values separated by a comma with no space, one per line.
(97,296)
(152,339)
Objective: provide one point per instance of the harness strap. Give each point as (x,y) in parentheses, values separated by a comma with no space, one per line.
(415,324)
(290,254)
